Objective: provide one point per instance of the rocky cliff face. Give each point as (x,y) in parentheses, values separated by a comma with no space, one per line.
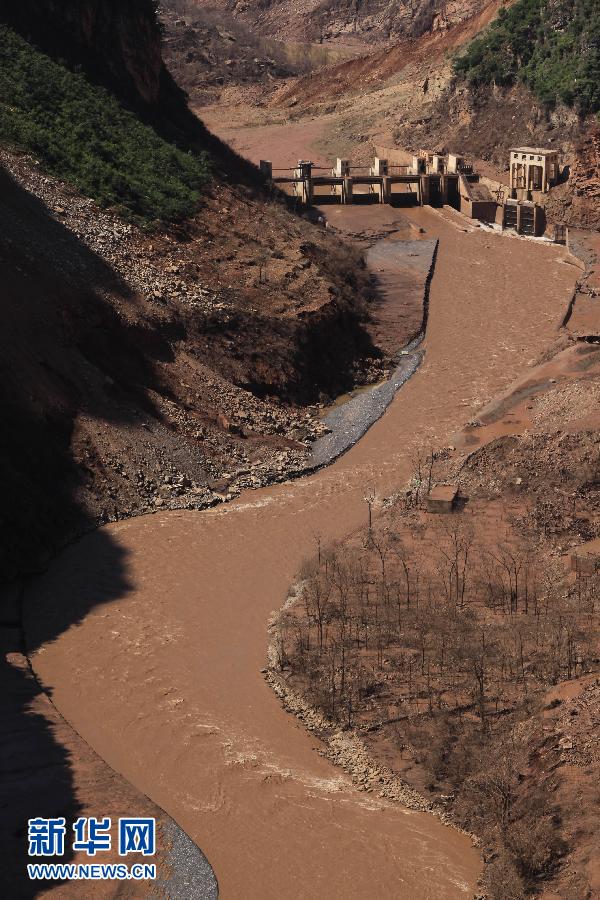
(578,201)
(342,21)
(117,42)
(377,20)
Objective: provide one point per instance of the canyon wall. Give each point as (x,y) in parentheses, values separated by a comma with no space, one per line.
(341,21)
(117,42)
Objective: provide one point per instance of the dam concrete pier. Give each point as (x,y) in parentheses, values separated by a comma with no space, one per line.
(382,182)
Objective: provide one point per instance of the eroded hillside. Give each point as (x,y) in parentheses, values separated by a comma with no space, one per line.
(156,357)
(340,21)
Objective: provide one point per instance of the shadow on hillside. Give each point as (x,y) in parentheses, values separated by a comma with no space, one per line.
(72,341)
(65,594)
(64,350)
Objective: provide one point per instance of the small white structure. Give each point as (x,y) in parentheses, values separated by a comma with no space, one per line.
(455,163)
(342,168)
(533,169)
(380,167)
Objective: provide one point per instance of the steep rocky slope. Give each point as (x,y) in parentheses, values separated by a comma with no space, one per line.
(164,366)
(117,42)
(342,21)
(203,54)
(207,49)
(377,21)
(140,370)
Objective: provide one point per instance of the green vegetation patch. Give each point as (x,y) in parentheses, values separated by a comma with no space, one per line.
(83,135)
(552,46)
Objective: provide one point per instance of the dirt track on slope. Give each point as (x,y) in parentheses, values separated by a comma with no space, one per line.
(162,673)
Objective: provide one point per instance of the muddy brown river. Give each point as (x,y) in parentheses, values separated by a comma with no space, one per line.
(161,672)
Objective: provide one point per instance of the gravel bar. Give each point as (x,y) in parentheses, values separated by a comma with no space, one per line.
(192,876)
(350,421)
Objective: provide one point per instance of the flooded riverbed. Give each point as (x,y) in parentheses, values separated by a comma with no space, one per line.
(161,673)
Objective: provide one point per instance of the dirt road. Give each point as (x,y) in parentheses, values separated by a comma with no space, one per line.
(161,673)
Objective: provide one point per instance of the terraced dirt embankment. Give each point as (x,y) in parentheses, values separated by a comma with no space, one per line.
(161,673)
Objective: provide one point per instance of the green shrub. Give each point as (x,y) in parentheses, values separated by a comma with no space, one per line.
(552,47)
(83,135)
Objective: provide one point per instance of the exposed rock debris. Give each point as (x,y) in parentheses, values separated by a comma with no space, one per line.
(177,373)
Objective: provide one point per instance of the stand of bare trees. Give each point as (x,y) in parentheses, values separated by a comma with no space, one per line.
(468,627)
(448,644)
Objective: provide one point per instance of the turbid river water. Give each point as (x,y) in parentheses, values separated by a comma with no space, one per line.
(151,633)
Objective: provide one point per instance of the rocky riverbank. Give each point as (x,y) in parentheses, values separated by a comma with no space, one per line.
(180,406)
